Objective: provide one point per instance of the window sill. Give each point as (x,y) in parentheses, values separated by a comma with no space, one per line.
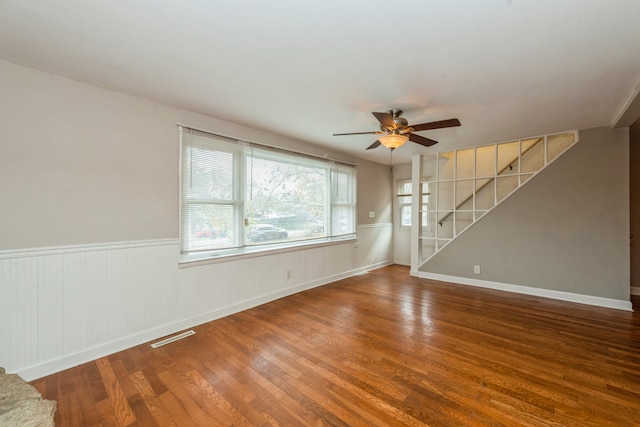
(212,257)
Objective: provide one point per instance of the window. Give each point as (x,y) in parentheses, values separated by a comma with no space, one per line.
(404,202)
(236,196)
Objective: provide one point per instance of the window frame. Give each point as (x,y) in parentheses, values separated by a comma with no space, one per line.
(403,203)
(405,200)
(245,150)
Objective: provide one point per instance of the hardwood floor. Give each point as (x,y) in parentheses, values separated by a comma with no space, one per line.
(380,349)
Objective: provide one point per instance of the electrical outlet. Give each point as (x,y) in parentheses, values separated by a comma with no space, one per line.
(372,214)
(288,274)
(476,269)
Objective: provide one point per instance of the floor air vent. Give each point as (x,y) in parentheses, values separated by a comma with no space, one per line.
(172,339)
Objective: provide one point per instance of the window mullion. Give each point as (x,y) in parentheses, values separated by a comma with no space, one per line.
(241,194)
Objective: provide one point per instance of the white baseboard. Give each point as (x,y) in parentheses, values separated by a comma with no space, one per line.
(635,290)
(69,361)
(527,290)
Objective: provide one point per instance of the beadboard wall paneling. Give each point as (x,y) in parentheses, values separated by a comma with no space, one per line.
(68,305)
(59,302)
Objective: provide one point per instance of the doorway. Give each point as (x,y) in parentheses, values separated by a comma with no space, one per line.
(634,205)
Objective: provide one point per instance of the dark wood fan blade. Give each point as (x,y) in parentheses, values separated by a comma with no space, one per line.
(355,133)
(421,140)
(436,125)
(385,119)
(374,145)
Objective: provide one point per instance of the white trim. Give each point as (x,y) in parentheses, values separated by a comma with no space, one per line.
(375,225)
(635,290)
(70,249)
(196,259)
(527,290)
(69,361)
(629,111)
(210,257)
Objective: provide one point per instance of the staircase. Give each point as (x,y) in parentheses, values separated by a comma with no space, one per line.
(466,184)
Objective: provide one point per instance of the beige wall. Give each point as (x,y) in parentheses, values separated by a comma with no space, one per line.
(374,194)
(565,230)
(80,165)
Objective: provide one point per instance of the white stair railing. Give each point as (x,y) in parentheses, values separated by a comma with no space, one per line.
(468,183)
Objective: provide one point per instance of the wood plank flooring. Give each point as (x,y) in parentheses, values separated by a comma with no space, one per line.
(381,349)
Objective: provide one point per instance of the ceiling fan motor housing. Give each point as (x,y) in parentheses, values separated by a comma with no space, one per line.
(401,125)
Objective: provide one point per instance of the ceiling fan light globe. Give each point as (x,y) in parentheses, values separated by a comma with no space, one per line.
(393,141)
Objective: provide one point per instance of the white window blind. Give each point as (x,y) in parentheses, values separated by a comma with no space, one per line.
(210,201)
(236,195)
(342,200)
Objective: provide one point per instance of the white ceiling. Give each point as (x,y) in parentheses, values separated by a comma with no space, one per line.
(308,69)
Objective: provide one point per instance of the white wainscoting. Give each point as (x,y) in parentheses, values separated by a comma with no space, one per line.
(63,306)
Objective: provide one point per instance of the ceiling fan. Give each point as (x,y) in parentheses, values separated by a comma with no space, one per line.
(395,130)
